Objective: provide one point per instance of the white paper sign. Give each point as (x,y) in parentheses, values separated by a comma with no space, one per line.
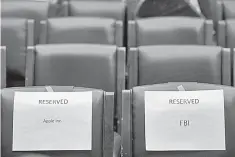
(184,120)
(52,121)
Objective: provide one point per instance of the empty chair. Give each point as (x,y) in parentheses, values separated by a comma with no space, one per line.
(162,64)
(37,10)
(170,30)
(83,65)
(93,66)
(3,66)
(108,9)
(226,33)
(102,123)
(82,30)
(16,35)
(133,124)
(105,9)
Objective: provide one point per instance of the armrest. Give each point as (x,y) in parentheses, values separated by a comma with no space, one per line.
(117,145)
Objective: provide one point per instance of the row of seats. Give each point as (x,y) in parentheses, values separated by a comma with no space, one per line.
(87,51)
(73,41)
(155,27)
(17,34)
(65,30)
(151,31)
(218,10)
(180,31)
(104,143)
(28,23)
(42,10)
(49,64)
(104,66)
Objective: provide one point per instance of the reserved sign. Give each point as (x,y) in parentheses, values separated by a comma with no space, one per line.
(52,121)
(184,120)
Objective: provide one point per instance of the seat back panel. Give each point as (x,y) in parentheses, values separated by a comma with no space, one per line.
(162,64)
(169,30)
(7,124)
(92,66)
(138,120)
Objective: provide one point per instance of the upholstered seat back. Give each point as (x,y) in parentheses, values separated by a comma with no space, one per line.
(36,10)
(134,120)
(170,30)
(162,64)
(100,103)
(15,36)
(81,30)
(108,9)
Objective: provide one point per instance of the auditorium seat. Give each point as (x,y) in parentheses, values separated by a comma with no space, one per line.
(226,33)
(133,123)
(82,30)
(175,63)
(37,10)
(108,9)
(225,9)
(3,67)
(170,30)
(102,123)
(17,34)
(83,65)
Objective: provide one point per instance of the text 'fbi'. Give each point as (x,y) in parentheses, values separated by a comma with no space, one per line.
(184,123)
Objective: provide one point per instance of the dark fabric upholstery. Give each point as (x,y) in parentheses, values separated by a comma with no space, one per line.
(138,120)
(7,101)
(170,30)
